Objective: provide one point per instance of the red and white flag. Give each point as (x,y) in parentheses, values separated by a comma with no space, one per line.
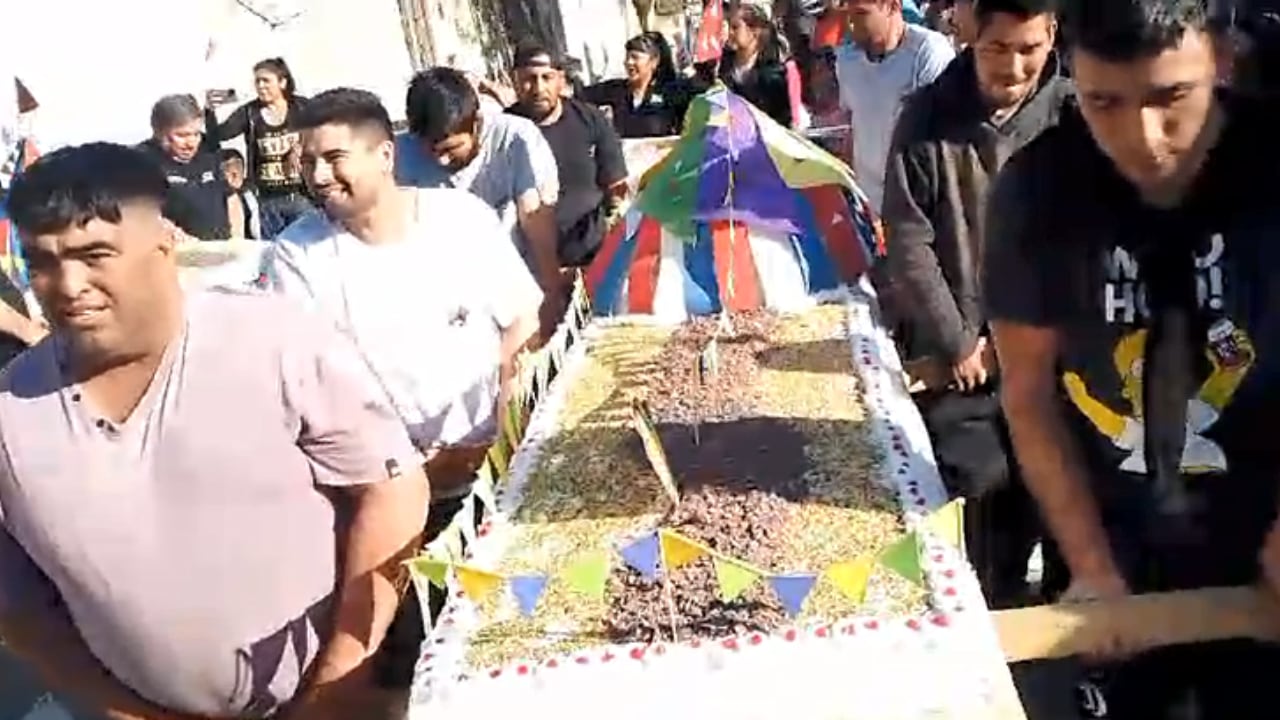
(710,40)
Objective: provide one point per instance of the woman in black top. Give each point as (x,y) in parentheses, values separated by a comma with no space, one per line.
(198,200)
(652,99)
(754,63)
(269,126)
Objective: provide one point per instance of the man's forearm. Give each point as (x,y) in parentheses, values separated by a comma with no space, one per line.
(385,530)
(539,227)
(45,639)
(1055,475)
(16,324)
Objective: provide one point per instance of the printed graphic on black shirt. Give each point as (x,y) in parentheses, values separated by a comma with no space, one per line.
(274,145)
(1116,411)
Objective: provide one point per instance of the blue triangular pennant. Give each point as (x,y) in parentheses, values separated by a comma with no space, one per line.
(792,590)
(527,590)
(643,555)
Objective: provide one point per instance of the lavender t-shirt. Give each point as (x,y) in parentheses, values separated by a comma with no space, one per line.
(194,544)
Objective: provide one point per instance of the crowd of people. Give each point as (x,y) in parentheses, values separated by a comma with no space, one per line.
(205,495)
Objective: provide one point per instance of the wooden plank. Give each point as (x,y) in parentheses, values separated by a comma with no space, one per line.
(1138,622)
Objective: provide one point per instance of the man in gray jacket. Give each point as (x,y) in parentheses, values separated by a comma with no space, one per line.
(950,141)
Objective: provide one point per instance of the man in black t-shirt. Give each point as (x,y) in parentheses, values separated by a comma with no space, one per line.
(593,173)
(199,200)
(1133,280)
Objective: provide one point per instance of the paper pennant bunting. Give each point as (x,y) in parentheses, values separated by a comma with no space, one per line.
(433,569)
(642,555)
(644,425)
(903,557)
(948,523)
(527,590)
(589,574)
(733,577)
(678,550)
(850,577)
(511,422)
(792,590)
(477,584)
(500,456)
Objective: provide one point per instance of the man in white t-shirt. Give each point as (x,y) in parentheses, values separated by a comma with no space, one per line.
(430,288)
(887,61)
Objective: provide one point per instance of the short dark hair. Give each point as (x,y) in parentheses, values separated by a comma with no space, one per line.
(171,111)
(77,184)
(441,102)
(984,10)
(226,155)
(357,109)
(1125,30)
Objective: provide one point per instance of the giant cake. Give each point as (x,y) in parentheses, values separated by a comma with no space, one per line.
(794,449)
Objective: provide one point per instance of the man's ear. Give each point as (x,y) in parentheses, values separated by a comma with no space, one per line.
(387,151)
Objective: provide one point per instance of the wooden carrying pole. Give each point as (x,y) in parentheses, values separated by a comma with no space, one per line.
(1138,622)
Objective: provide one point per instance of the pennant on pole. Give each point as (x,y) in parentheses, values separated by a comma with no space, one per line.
(792,590)
(850,577)
(947,522)
(733,577)
(483,487)
(477,584)
(500,456)
(527,590)
(642,555)
(678,550)
(589,574)
(903,557)
(433,569)
(451,541)
(465,520)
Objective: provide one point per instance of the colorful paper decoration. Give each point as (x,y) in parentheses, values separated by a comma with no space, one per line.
(733,577)
(452,543)
(527,590)
(433,569)
(737,185)
(590,574)
(642,421)
(792,590)
(511,422)
(948,523)
(477,584)
(642,555)
(851,577)
(903,557)
(678,550)
(500,456)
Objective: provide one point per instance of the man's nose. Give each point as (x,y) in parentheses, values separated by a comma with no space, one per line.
(72,280)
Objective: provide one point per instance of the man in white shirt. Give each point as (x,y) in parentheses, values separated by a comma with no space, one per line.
(887,61)
(430,288)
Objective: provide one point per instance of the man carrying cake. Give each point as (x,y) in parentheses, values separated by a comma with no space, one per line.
(1131,282)
(435,296)
(997,96)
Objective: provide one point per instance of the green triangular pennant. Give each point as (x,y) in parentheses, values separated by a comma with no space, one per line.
(589,574)
(903,557)
(430,568)
(733,578)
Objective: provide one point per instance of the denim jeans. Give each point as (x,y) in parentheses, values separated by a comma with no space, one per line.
(278,211)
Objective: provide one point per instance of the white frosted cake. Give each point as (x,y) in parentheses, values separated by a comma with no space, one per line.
(799,458)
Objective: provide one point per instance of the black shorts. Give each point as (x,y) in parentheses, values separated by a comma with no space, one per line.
(395,660)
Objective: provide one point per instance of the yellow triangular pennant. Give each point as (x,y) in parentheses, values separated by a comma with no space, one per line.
(499,456)
(678,550)
(733,577)
(477,584)
(851,576)
(433,569)
(947,522)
